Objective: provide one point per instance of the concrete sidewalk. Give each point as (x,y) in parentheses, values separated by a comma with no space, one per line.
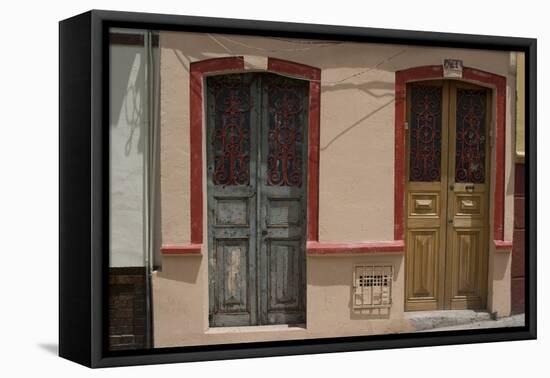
(512,321)
(429,321)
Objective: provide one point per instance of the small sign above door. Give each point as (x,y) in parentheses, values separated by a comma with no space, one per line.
(452,68)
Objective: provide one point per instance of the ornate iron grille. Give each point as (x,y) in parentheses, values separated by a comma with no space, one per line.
(470,136)
(425,133)
(286,131)
(230,137)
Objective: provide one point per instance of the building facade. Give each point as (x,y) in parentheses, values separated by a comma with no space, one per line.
(319,189)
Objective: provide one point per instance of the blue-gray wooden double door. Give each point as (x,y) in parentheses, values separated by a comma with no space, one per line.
(257,175)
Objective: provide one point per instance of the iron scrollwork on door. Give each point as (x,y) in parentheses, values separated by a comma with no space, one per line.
(425,133)
(286,131)
(470,136)
(230,137)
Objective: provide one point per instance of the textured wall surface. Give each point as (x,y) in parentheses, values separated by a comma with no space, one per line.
(126,308)
(127,133)
(180,293)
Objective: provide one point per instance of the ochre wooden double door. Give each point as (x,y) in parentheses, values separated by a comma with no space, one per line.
(257,170)
(447,224)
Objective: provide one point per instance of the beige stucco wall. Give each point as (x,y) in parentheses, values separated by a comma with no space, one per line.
(356,176)
(181,304)
(357,103)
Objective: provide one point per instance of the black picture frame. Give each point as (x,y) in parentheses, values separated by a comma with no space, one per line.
(83,181)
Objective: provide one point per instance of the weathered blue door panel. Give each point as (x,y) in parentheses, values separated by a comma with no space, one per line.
(256,172)
(282,204)
(232,124)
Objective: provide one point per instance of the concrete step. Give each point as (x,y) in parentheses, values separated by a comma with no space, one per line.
(512,321)
(425,320)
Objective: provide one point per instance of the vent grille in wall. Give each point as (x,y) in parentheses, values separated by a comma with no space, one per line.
(372,286)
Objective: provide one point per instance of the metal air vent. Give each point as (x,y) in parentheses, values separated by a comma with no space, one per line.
(372,286)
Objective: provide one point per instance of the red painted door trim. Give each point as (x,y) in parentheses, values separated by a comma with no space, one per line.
(236,64)
(496,82)
(197,72)
(312,74)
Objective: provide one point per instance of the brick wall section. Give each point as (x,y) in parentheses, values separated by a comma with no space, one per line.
(127,311)
(518,251)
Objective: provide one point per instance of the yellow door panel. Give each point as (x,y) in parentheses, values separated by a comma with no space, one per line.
(423,275)
(447,195)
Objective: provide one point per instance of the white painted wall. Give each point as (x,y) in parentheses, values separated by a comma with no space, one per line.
(128,120)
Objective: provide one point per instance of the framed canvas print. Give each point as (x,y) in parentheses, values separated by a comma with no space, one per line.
(234,188)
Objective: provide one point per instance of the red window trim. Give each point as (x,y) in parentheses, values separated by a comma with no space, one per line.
(486,79)
(223,65)
(503,246)
(190,249)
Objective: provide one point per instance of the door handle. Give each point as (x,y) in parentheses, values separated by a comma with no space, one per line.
(264,232)
(450,221)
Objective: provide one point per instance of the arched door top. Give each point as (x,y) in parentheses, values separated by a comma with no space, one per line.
(483,78)
(235,64)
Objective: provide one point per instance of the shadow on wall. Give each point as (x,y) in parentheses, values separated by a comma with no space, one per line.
(127,89)
(183,269)
(501,262)
(128,121)
(332,54)
(355,124)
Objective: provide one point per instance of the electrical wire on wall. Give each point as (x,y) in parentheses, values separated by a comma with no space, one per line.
(377,66)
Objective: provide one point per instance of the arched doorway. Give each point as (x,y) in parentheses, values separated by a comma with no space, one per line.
(257,155)
(447,165)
